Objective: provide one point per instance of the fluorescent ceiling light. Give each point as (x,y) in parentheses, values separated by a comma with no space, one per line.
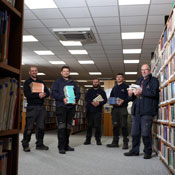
(102,86)
(44,52)
(29,38)
(78,52)
(130,81)
(131,61)
(132,51)
(40,73)
(86,62)
(88,86)
(130,73)
(95,73)
(133,2)
(133,35)
(57,62)
(40,4)
(82,81)
(74,73)
(71,43)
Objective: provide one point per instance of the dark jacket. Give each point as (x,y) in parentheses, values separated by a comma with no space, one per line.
(33,99)
(90,95)
(121,92)
(58,92)
(147,103)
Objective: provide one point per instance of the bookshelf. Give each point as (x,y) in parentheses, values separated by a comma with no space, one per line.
(163,67)
(79,121)
(10,66)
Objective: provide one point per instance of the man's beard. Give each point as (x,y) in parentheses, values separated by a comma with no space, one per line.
(96,87)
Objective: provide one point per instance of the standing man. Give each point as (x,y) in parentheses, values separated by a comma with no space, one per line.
(35,112)
(119,112)
(94,110)
(64,111)
(144,107)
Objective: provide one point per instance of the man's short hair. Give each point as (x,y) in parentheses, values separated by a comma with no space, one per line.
(96,79)
(120,74)
(65,67)
(32,67)
(147,65)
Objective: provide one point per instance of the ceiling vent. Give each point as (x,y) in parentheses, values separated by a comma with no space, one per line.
(85,35)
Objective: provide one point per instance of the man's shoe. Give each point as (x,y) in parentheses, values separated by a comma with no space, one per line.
(62,151)
(42,147)
(87,142)
(26,149)
(68,148)
(99,142)
(131,153)
(125,146)
(147,156)
(113,145)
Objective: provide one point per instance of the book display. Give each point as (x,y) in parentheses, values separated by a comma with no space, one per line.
(163,67)
(11,30)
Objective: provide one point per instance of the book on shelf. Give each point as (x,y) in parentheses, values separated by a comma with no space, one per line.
(37,87)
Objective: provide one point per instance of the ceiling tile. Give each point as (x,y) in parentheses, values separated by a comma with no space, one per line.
(45,37)
(82,22)
(106,21)
(33,24)
(28,15)
(108,29)
(155,35)
(101,2)
(61,23)
(75,12)
(133,20)
(104,11)
(133,28)
(155,20)
(69,3)
(110,36)
(111,42)
(47,13)
(132,42)
(160,9)
(161,1)
(133,10)
(38,31)
(154,28)
(131,56)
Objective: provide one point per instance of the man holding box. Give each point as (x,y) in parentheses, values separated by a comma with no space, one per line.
(119,100)
(144,107)
(95,98)
(66,93)
(35,91)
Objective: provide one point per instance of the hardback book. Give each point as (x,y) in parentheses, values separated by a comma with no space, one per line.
(37,87)
(99,98)
(114,100)
(69,94)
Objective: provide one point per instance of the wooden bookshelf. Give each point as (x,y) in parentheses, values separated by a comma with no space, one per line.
(163,67)
(12,69)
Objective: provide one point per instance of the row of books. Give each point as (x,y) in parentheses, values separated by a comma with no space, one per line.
(78,121)
(168,92)
(50,108)
(80,108)
(4,36)
(6,156)
(81,102)
(8,102)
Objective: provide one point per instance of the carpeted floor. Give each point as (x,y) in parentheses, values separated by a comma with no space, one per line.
(85,160)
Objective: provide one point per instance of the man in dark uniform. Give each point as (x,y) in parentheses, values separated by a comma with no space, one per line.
(144,107)
(64,111)
(35,112)
(95,98)
(119,112)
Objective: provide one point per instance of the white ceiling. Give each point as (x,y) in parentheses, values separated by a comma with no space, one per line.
(107,21)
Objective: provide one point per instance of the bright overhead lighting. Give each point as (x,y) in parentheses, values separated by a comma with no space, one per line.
(78,52)
(71,43)
(133,2)
(131,61)
(132,51)
(29,38)
(40,73)
(130,81)
(133,35)
(57,62)
(82,81)
(23,64)
(40,4)
(95,73)
(130,73)
(88,86)
(86,62)
(102,86)
(44,52)
(74,73)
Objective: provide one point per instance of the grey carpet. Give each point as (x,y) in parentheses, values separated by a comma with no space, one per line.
(86,160)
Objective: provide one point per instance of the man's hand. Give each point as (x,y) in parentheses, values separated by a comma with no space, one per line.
(130,92)
(120,102)
(138,92)
(95,104)
(42,95)
(65,100)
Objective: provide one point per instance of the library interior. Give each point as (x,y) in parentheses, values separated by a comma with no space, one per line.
(87,87)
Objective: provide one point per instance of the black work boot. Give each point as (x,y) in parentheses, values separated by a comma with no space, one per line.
(125,146)
(26,149)
(87,141)
(68,148)
(62,151)
(42,147)
(113,144)
(131,153)
(147,156)
(98,142)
